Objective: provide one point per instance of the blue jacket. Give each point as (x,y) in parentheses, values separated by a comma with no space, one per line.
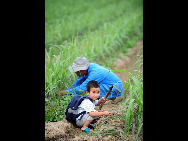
(103,76)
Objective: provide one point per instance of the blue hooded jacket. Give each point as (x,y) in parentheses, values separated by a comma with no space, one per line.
(103,76)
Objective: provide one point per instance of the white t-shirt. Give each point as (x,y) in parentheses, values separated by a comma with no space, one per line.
(87,106)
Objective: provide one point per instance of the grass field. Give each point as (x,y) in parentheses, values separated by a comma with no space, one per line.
(63,19)
(92,29)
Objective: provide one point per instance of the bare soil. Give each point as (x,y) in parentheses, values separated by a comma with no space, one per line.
(65,131)
(127,62)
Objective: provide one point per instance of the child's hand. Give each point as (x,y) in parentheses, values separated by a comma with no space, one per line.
(106,113)
(102,99)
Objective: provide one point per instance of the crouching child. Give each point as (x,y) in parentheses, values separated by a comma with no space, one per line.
(85,115)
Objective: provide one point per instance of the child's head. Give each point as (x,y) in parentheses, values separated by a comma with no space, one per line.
(93,89)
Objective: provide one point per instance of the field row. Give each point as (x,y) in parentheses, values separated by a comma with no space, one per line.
(63,19)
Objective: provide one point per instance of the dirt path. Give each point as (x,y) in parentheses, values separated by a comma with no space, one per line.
(127,62)
(63,131)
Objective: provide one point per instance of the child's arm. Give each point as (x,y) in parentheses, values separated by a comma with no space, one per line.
(97,114)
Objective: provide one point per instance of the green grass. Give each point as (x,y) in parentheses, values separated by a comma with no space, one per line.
(66,19)
(120,34)
(134,86)
(135,103)
(95,30)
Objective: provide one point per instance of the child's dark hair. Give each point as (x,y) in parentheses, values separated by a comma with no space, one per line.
(92,83)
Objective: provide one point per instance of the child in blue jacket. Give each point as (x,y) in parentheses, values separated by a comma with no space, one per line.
(90,71)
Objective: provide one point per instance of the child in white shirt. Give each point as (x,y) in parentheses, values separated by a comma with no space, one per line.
(88,105)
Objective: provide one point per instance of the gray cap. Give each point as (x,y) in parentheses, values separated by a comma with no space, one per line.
(80,63)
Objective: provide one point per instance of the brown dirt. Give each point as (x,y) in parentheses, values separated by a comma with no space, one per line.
(63,130)
(127,62)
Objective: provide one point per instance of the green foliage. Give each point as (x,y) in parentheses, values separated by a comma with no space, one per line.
(55,107)
(92,29)
(65,19)
(134,85)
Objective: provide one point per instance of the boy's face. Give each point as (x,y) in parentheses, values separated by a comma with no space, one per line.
(94,93)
